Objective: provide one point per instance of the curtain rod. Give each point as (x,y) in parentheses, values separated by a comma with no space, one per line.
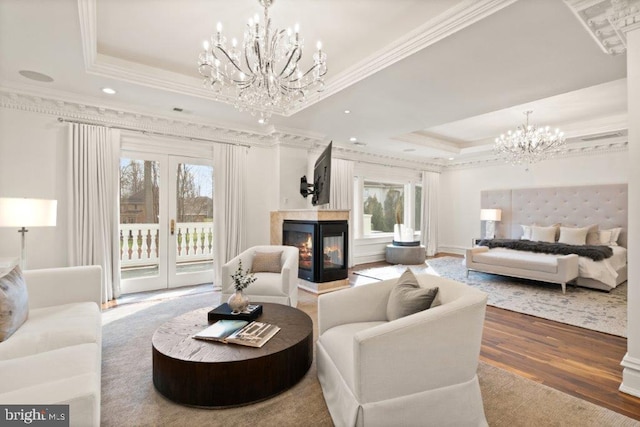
(191,138)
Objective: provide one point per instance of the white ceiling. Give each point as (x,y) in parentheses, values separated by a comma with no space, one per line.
(423,79)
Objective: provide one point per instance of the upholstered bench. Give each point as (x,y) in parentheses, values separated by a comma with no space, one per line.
(527,265)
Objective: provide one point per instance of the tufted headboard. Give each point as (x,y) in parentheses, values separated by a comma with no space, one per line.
(605,205)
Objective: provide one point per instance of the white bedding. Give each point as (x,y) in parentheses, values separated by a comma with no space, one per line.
(605,271)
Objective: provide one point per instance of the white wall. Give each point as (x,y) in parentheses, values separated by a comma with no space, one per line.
(33,163)
(459,211)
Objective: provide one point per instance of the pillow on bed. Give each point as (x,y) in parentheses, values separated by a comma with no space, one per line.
(543,234)
(526,232)
(574,236)
(610,237)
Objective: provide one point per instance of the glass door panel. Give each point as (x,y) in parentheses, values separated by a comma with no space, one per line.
(191,235)
(142,262)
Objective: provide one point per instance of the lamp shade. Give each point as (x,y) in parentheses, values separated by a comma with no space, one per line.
(18,212)
(490,214)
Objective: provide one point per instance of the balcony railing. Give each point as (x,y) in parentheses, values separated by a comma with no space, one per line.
(139,243)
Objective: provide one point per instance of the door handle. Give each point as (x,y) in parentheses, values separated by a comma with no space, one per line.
(172,227)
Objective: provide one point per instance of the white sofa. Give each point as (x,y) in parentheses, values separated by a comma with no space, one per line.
(527,265)
(418,370)
(55,356)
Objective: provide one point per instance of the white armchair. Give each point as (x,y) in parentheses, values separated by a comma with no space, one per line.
(418,370)
(281,288)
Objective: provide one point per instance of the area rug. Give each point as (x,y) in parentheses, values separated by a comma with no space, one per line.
(588,308)
(130,399)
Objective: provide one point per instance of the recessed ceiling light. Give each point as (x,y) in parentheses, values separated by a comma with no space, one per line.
(353,139)
(347,111)
(261,121)
(108,91)
(450,158)
(34,75)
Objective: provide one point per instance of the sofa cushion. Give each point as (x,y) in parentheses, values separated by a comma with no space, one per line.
(67,376)
(407,297)
(49,366)
(14,302)
(266,284)
(54,327)
(518,259)
(266,262)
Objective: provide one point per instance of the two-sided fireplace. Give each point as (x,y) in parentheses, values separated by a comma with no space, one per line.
(323,247)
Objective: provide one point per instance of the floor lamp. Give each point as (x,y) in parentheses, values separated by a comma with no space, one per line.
(23,213)
(490,216)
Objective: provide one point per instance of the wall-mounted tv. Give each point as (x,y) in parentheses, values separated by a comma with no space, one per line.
(321,179)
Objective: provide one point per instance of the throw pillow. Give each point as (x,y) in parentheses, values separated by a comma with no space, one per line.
(543,234)
(573,236)
(526,232)
(266,262)
(593,235)
(14,302)
(407,297)
(610,237)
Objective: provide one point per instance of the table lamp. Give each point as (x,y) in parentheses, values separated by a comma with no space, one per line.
(490,216)
(23,213)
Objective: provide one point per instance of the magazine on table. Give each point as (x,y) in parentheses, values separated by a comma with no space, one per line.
(252,334)
(255,334)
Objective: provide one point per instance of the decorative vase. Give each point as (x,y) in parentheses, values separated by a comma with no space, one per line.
(238,302)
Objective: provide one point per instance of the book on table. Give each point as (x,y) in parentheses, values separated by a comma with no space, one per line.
(243,332)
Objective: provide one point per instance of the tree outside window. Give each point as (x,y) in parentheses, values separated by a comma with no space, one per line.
(385,203)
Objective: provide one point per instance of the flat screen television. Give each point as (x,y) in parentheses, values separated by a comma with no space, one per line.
(321,179)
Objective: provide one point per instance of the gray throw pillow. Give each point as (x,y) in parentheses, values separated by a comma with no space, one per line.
(14,302)
(266,262)
(407,297)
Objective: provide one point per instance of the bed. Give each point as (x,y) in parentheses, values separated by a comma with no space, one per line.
(598,208)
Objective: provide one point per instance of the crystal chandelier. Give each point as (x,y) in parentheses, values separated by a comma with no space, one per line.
(529,144)
(262,75)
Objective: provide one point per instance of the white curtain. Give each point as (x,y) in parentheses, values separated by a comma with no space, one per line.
(429,226)
(341,194)
(93,202)
(229,170)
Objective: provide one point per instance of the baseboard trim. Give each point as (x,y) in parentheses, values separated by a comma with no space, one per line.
(630,375)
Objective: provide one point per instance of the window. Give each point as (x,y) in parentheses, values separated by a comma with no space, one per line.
(383,206)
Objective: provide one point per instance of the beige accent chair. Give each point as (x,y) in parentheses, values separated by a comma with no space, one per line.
(281,288)
(419,370)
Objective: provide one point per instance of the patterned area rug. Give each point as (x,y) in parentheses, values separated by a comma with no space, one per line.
(587,308)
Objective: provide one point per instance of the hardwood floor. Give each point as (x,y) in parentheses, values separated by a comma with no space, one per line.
(576,361)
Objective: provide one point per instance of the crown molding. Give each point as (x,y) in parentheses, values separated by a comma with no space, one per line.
(607,21)
(593,149)
(456,18)
(143,122)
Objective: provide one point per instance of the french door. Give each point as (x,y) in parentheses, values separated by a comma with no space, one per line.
(166,221)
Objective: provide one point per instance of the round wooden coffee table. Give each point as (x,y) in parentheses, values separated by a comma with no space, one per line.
(211,374)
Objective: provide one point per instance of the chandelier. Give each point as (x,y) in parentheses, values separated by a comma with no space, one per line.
(263,74)
(529,144)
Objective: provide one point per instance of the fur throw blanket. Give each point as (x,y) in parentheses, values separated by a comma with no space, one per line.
(596,253)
